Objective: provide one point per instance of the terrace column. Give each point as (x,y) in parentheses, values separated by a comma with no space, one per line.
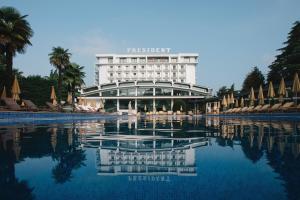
(153,109)
(118,105)
(172,104)
(135,105)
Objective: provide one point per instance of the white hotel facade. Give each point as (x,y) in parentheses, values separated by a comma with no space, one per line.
(111,68)
(146,76)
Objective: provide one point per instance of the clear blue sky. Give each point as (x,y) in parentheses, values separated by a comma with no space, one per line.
(230,36)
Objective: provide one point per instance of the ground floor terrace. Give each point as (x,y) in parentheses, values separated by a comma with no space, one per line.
(147,96)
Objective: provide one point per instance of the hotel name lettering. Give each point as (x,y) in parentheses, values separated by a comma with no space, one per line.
(148,50)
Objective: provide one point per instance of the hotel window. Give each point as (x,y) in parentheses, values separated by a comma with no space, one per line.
(174,60)
(143,67)
(134,67)
(134,60)
(111,74)
(122,60)
(182,67)
(119,74)
(143,74)
(126,74)
(181,80)
(142,60)
(110,60)
(174,66)
(187,59)
(134,74)
(111,67)
(174,74)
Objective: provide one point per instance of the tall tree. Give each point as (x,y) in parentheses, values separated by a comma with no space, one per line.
(60,59)
(15,33)
(224,91)
(253,79)
(288,61)
(73,77)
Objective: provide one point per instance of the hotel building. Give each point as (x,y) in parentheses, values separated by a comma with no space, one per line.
(150,79)
(113,68)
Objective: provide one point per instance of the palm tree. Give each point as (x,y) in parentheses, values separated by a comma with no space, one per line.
(73,77)
(60,58)
(15,33)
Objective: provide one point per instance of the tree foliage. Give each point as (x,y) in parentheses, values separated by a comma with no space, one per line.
(224,91)
(60,59)
(254,79)
(15,34)
(288,61)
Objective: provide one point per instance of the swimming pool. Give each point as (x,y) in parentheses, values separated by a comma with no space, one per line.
(165,157)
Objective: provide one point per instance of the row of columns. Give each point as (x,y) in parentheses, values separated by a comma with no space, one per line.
(135,105)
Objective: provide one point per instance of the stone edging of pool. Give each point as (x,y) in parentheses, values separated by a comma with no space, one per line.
(266,116)
(44,117)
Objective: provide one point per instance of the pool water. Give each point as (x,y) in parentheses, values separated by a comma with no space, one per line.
(151,158)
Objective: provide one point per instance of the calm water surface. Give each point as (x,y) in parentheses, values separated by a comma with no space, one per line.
(151,158)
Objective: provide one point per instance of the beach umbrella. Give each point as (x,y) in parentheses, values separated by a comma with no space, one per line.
(271,92)
(242,102)
(232,98)
(53,96)
(145,108)
(93,103)
(261,99)
(15,90)
(129,106)
(281,90)
(79,101)
(296,86)
(236,103)
(164,108)
(228,100)
(181,108)
(69,98)
(3,95)
(224,101)
(101,104)
(252,96)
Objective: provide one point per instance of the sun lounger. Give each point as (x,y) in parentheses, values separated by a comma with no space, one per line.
(264,108)
(170,112)
(190,113)
(11,104)
(67,108)
(52,107)
(250,109)
(29,105)
(237,110)
(275,107)
(228,111)
(287,106)
(244,109)
(258,107)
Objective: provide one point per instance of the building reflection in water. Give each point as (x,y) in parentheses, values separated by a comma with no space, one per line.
(147,149)
(150,146)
